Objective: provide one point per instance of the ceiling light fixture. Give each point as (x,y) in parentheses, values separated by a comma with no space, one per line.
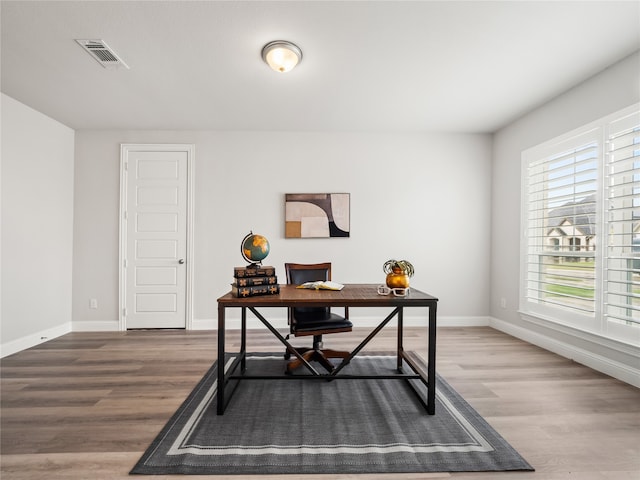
(281,55)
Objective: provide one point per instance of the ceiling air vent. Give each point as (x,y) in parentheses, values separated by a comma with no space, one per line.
(99,50)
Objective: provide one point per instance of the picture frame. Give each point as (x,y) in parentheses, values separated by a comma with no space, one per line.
(317,215)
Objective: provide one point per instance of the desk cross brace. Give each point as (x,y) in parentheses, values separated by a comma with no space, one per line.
(315,375)
(309,367)
(290,348)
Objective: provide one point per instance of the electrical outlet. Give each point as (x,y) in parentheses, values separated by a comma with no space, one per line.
(503,302)
(93,303)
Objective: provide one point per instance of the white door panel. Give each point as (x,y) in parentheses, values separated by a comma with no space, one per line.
(156,249)
(151,196)
(156,237)
(156,302)
(157,222)
(146,276)
(158,168)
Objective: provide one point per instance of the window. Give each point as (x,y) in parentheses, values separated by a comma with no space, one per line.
(581,219)
(622,197)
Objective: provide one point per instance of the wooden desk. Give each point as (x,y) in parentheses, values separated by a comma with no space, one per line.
(352,295)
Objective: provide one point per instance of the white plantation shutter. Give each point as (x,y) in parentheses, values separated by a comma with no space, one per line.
(622,203)
(580,262)
(561,226)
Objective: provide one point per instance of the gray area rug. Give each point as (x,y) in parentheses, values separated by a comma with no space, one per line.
(343,426)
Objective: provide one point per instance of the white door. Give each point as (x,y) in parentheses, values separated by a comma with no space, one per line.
(154,223)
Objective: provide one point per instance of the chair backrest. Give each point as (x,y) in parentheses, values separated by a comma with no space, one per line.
(298,273)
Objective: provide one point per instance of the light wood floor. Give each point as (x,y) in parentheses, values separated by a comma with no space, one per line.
(87,405)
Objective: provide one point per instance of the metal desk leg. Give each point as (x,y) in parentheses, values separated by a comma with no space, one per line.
(243,341)
(221,380)
(431,366)
(400,348)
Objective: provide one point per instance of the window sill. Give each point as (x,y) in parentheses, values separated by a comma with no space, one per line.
(628,348)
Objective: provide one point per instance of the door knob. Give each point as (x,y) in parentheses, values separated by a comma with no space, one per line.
(181,261)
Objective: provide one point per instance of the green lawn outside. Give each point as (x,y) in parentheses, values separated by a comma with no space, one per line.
(573,291)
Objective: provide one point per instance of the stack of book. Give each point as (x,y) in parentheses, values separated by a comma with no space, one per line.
(254,280)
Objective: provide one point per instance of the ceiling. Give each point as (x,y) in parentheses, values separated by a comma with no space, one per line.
(367,66)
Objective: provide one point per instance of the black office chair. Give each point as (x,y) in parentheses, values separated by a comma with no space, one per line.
(316,321)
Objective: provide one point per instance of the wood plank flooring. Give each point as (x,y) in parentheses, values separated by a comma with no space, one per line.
(87,405)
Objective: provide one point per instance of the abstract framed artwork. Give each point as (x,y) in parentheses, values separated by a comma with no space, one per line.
(317,215)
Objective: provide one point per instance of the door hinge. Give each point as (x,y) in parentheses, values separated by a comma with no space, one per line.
(126,263)
(124,312)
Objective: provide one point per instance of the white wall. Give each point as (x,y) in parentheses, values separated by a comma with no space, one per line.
(423,197)
(611,90)
(37,226)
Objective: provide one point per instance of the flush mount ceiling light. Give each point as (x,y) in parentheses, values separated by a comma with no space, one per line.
(281,55)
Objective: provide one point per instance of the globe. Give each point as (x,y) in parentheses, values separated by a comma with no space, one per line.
(254,248)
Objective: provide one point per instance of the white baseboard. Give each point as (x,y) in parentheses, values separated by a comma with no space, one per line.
(621,371)
(102,326)
(34,339)
(459,322)
(208,324)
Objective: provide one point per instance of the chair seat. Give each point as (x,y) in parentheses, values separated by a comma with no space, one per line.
(334,322)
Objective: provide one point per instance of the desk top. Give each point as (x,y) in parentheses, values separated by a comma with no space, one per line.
(352,295)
